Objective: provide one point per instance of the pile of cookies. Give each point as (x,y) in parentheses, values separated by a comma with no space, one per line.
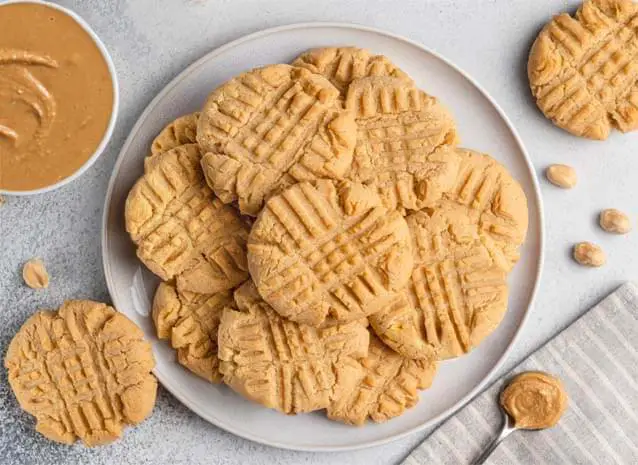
(322,241)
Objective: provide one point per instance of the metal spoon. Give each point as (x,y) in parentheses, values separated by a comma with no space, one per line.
(507,429)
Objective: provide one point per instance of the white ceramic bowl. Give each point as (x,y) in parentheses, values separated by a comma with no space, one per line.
(116,101)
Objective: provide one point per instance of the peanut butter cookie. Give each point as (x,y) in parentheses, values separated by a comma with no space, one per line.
(457,293)
(496,203)
(400,132)
(83,372)
(342,65)
(269,128)
(583,70)
(182,231)
(328,250)
(179,132)
(386,388)
(190,322)
(284,365)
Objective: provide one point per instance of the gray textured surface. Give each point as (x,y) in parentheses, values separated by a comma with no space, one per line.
(151,41)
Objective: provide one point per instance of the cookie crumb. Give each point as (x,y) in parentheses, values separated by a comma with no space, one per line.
(35,274)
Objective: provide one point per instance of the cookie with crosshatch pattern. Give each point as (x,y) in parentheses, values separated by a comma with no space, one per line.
(269,128)
(495,202)
(84,372)
(181,230)
(583,70)
(343,65)
(463,250)
(287,366)
(400,133)
(189,321)
(181,131)
(328,250)
(456,296)
(388,385)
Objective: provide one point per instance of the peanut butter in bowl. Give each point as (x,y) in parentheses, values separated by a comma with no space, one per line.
(58,97)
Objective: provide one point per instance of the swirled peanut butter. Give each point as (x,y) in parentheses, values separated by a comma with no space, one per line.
(56,96)
(535,400)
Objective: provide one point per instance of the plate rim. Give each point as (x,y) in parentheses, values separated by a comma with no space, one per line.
(536,191)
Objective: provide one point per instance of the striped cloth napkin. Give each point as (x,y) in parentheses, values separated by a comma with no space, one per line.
(597,360)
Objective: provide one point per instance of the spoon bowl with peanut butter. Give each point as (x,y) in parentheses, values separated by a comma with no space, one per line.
(58,97)
(531,401)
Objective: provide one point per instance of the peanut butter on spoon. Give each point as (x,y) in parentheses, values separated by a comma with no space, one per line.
(534,400)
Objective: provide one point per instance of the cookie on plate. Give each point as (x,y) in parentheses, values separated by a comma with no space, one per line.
(190,322)
(181,230)
(457,294)
(496,202)
(400,132)
(342,65)
(283,365)
(182,131)
(84,372)
(386,388)
(328,250)
(269,128)
(583,70)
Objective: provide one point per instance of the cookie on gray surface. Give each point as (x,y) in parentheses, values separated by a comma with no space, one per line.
(84,372)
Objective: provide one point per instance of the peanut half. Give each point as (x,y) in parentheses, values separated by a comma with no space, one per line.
(562,176)
(614,221)
(35,274)
(589,254)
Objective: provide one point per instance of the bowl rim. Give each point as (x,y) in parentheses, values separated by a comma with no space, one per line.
(114,110)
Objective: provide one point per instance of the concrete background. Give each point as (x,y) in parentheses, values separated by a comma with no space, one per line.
(152,41)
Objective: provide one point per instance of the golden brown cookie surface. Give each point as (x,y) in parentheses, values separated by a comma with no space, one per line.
(386,388)
(342,65)
(181,230)
(496,203)
(190,322)
(457,294)
(83,372)
(400,131)
(284,365)
(328,250)
(269,128)
(182,131)
(583,70)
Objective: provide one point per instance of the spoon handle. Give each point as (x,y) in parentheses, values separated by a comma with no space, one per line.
(506,430)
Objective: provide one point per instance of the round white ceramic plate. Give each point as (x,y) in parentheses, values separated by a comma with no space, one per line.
(482,126)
